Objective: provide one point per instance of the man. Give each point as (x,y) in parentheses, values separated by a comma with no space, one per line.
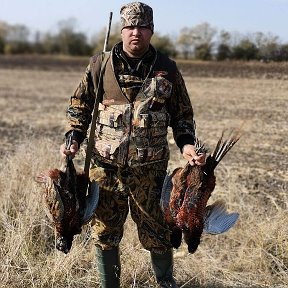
(142,93)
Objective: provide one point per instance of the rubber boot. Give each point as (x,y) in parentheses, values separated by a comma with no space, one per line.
(162,265)
(109,268)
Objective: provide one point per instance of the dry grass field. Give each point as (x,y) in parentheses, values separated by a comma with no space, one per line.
(252,179)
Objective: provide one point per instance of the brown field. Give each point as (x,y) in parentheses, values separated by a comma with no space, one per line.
(252,179)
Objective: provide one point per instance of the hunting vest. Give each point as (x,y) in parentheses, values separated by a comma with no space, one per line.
(134,132)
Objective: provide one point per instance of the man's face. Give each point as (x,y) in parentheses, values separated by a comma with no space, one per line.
(136,40)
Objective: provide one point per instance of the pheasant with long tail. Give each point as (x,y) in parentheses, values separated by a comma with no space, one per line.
(70,200)
(186,192)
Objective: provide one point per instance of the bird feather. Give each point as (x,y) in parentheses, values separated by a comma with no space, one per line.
(186,192)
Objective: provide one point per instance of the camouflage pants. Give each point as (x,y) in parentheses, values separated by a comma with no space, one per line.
(138,189)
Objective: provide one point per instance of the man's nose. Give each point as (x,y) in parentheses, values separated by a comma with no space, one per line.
(136,30)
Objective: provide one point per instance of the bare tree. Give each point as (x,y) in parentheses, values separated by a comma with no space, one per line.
(203,36)
(185,42)
(197,40)
(267,44)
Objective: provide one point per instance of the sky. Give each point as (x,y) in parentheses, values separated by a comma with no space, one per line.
(170,16)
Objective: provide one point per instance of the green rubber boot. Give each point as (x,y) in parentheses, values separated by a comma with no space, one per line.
(108,262)
(162,265)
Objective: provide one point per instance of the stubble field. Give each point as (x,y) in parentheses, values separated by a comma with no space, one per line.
(252,179)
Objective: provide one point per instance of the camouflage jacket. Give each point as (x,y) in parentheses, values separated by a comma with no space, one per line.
(140,98)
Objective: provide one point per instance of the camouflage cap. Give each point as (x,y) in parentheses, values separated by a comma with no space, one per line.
(137,14)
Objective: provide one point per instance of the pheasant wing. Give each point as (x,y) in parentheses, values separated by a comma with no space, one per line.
(91,202)
(217,219)
(166,192)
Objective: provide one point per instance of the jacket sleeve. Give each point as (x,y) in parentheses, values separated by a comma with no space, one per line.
(79,111)
(181,111)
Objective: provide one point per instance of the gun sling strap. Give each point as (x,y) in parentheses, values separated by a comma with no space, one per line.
(100,67)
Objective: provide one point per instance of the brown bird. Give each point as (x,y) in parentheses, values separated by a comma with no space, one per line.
(70,201)
(185,195)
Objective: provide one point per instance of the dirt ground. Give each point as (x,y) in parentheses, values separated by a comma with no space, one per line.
(252,178)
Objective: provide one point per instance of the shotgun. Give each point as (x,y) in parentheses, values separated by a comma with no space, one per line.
(96,104)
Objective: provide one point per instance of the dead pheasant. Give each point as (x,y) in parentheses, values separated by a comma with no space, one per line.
(69,200)
(185,195)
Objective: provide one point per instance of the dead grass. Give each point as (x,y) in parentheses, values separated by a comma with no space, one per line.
(252,180)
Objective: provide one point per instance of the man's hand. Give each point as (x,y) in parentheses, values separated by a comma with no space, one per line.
(72,151)
(192,157)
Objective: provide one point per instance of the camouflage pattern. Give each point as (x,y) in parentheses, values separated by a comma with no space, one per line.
(137,14)
(132,133)
(161,91)
(137,189)
(81,105)
(152,107)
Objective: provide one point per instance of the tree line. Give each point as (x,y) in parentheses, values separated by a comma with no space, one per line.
(200,42)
